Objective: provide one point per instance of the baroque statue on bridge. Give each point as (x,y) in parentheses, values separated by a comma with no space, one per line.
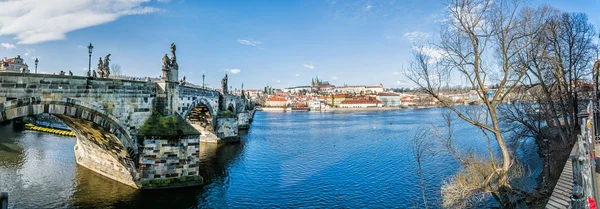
(103,66)
(106,66)
(166,68)
(224,85)
(100,66)
(170,67)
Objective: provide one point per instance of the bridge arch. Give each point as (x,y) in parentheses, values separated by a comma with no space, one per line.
(201,112)
(103,145)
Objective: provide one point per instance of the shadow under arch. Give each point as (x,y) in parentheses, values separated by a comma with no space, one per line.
(231,108)
(103,145)
(201,112)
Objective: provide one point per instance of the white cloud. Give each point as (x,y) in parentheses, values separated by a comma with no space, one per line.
(309,66)
(278,81)
(416,36)
(368,7)
(233,70)
(249,42)
(81,47)
(36,21)
(396,73)
(28,51)
(434,54)
(297,74)
(402,83)
(8,46)
(334,78)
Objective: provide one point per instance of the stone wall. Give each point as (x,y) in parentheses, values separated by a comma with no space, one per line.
(227,130)
(128,102)
(107,116)
(243,120)
(169,160)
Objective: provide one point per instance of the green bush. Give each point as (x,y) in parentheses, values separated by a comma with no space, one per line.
(226,114)
(158,125)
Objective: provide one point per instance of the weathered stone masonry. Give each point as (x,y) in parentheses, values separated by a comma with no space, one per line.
(107,114)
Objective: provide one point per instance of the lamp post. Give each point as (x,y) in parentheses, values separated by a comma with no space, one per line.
(90,48)
(36,63)
(203,81)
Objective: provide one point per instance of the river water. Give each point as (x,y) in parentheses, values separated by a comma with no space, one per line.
(332,160)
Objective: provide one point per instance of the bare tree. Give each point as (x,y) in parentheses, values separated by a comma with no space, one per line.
(557,61)
(116,69)
(481,43)
(422,148)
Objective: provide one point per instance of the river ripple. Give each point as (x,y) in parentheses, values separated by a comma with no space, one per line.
(315,160)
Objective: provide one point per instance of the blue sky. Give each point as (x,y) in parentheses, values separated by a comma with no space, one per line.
(278,43)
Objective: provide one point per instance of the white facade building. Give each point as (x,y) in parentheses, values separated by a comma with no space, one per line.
(13,64)
(389,99)
(297,89)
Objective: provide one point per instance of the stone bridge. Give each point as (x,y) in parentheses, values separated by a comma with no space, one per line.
(145,134)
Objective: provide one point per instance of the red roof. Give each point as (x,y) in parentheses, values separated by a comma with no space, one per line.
(387,94)
(301,104)
(351,86)
(339,95)
(326,86)
(276,99)
(360,102)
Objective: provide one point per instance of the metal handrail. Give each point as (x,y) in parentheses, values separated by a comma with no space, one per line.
(584,174)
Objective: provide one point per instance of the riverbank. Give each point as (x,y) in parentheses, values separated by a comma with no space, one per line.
(337,109)
(374,109)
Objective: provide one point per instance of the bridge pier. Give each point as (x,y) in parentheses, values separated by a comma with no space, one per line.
(227,129)
(170,163)
(111,119)
(100,151)
(243,120)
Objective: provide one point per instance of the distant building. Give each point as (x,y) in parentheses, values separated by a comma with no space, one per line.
(407,101)
(298,89)
(361,89)
(314,104)
(321,86)
(13,65)
(374,89)
(276,102)
(335,100)
(350,89)
(389,99)
(254,95)
(360,103)
(317,82)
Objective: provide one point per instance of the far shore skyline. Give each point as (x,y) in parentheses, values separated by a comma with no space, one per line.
(259,43)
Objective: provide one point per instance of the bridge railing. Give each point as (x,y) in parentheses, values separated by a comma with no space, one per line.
(134,78)
(585,187)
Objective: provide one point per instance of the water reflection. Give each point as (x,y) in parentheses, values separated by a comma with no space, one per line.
(319,160)
(93,190)
(10,152)
(39,171)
